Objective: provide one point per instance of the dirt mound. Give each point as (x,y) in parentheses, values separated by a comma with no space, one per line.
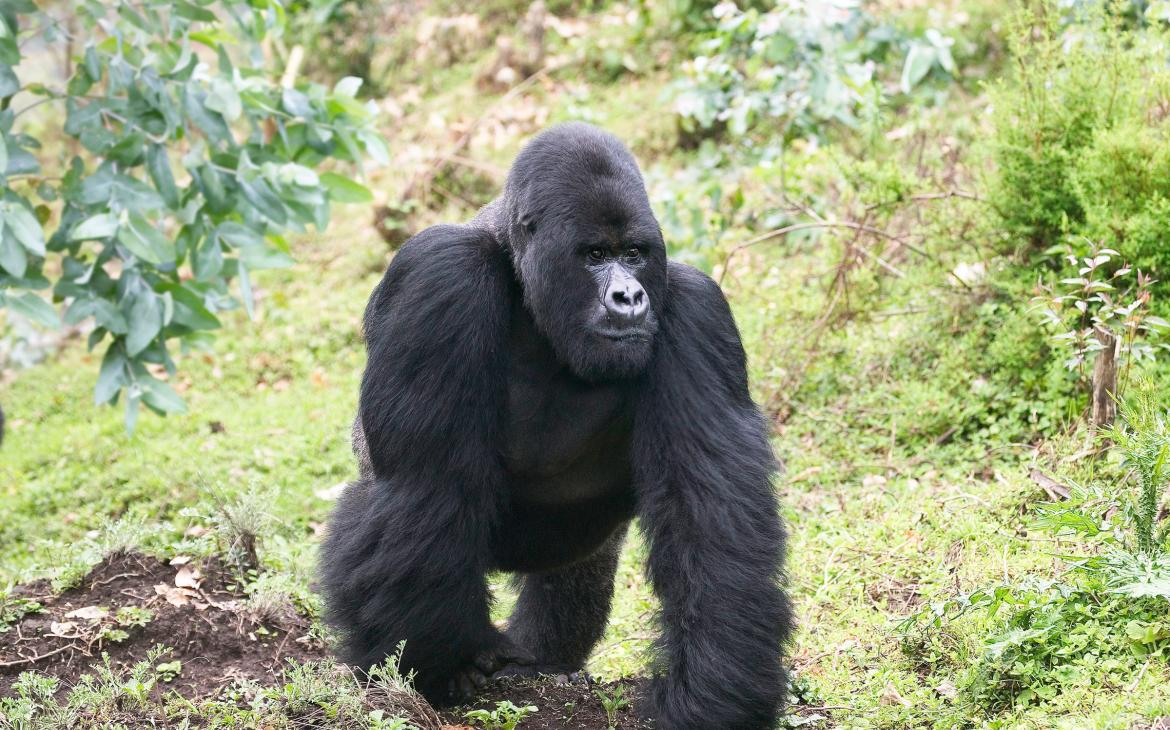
(128,604)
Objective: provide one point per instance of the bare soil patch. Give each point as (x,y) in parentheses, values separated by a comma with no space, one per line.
(195,609)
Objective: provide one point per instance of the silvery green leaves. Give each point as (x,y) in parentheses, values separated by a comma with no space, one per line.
(192,164)
(20,236)
(802,68)
(932,51)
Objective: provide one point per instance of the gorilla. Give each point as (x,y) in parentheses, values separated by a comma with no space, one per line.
(536,379)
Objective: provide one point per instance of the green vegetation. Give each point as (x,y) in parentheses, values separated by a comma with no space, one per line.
(612,702)
(166,177)
(1081,143)
(317,694)
(1105,616)
(922,218)
(506,716)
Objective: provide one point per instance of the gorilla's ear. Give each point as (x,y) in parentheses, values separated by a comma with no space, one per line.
(528,223)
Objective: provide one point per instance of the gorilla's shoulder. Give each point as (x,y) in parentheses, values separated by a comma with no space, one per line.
(442,272)
(693,293)
(700,329)
(451,248)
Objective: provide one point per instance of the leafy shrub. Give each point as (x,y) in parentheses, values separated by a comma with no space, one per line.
(971,372)
(1102,296)
(688,16)
(1020,388)
(698,207)
(1123,182)
(338,34)
(191,164)
(1143,438)
(1053,639)
(1079,140)
(797,68)
(361,38)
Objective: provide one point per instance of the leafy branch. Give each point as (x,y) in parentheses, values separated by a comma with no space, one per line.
(192,160)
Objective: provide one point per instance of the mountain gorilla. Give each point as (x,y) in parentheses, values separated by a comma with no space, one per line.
(536,379)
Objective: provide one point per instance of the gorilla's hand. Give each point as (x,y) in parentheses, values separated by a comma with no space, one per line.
(473,677)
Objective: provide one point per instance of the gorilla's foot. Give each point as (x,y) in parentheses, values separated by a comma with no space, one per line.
(485,666)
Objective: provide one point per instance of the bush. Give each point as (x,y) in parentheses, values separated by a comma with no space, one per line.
(1080,138)
(1123,181)
(798,68)
(184,163)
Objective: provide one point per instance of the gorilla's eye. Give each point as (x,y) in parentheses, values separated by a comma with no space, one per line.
(597,253)
(632,252)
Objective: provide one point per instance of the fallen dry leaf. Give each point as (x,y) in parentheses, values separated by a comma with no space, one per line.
(180,560)
(948,690)
(1054,489)
(891,696)
(873,481)
(175,596)
(90,613)
(188,577)
(64,629)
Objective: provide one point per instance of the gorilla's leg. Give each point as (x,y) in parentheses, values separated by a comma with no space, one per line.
(561,614)
(399,563)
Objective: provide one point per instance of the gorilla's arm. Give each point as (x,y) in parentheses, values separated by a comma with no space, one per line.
(408,546)
(703,469)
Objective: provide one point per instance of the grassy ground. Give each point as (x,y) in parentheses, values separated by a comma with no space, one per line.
(903,484)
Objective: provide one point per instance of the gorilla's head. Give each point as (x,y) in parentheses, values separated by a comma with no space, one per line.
(588,250)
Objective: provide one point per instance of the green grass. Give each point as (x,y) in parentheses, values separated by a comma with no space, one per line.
(887,512)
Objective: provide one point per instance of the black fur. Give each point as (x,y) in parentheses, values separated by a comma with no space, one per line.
(511,419)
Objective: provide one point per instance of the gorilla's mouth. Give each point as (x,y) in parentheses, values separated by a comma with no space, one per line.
(625,335)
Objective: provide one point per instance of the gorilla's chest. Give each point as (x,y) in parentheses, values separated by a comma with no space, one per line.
(566,441)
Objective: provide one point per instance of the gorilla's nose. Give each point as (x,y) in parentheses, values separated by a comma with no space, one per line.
(626,301)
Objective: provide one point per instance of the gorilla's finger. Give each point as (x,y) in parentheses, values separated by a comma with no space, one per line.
(487,662)
(581,677)
(512,653)
(465,687)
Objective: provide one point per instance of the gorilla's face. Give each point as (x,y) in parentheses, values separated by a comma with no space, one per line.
(593,269)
